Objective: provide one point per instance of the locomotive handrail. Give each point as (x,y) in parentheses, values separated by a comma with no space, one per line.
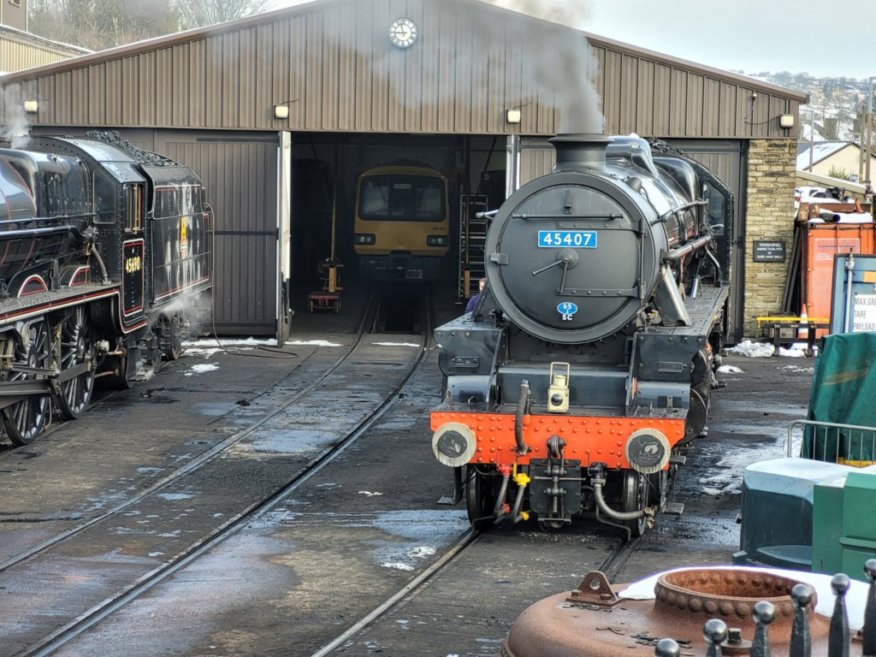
(602,215)
(679,208)
(676,254)
(27,232)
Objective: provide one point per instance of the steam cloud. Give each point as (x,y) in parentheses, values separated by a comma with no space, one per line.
(16,128)
(559,66)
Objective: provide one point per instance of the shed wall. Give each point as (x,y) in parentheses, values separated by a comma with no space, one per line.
(333,65)
(240,175)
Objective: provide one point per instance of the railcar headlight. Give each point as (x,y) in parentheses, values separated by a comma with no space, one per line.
(647,450)
(437,240)
(453,444)
(364,238)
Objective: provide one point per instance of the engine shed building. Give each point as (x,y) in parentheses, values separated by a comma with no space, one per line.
(279,112)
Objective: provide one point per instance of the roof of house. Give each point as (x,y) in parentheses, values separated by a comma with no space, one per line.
(821,150)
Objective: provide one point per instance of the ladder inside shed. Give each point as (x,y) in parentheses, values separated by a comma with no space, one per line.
(472,239)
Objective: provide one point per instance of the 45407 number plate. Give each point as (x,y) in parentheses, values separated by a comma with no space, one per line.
(574,239)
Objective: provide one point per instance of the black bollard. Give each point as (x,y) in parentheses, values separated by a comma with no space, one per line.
(715,632)
(801,639)
(838,636)
(764,613)
(667,648)
(869,631)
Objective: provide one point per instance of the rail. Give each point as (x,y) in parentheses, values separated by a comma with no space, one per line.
(830,441)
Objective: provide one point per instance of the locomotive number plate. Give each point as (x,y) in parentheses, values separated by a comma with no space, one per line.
(555,239)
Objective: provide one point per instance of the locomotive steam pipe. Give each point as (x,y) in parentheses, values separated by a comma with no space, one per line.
(677,254)
(622,516)
(499,508)
(522,404)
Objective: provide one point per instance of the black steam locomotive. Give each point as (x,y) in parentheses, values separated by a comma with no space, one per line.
(588,361)
(104,257)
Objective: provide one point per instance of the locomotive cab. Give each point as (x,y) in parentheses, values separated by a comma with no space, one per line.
(588,362)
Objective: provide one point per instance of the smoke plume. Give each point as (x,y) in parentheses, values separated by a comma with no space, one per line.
(16,129)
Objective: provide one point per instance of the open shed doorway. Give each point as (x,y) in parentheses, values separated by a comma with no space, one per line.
(325,170)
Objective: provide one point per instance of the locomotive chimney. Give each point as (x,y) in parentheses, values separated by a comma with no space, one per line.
(577,151)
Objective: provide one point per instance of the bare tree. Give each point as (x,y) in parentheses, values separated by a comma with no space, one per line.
(99,24)
(198,13)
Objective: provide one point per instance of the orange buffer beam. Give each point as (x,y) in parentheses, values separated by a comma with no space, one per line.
(592,439)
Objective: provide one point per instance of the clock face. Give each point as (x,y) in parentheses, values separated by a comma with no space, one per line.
(403,32)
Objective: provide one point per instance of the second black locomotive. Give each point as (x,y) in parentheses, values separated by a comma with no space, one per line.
(105,253)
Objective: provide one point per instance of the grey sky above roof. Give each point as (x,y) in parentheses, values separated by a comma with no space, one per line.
(799,36)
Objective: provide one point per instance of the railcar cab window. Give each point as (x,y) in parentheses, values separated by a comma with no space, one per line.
(402,198)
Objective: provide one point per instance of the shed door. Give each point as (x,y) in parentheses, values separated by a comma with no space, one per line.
(240,174)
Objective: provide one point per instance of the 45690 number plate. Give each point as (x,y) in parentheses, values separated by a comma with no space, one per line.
(575,239)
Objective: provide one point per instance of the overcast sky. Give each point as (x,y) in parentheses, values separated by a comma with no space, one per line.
(822,38)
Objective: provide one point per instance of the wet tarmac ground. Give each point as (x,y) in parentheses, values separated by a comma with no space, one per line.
(353,534)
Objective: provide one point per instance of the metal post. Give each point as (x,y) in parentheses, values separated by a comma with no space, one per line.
(869,140)
(811,136)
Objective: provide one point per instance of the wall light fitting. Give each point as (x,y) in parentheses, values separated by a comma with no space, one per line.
(31,106)
(281,109)
(513,115)
(786,121)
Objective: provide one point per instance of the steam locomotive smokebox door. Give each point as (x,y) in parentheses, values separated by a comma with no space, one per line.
(572,259)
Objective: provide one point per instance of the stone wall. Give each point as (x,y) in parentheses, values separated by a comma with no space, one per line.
(769,216)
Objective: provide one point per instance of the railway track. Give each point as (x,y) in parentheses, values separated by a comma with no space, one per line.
(360,357)
(610,566)
(197,462)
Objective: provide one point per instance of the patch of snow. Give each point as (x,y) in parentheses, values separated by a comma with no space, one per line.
(396,344)
(421,552)
(369,493)
(202,368)
(753,349)
(730,369)
(397,565)
(313,343)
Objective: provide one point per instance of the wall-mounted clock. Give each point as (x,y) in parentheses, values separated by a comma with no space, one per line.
(403,32)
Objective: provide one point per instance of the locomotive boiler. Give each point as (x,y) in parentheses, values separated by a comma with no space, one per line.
(587,364)
(104,255)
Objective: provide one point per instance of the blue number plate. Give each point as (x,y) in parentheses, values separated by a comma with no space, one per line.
(574,239)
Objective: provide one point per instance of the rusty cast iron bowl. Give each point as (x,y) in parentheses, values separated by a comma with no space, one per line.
(684,601)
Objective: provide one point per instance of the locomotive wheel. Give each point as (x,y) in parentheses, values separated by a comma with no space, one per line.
(76,347)
(697,416)
(634,497)
(25,420)
(170,330)
(479,501)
